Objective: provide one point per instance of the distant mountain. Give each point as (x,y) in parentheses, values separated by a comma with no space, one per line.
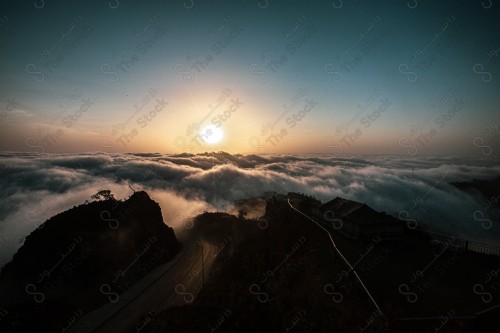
(81,259)
(489,188)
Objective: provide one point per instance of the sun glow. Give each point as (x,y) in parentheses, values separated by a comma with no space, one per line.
(211,134)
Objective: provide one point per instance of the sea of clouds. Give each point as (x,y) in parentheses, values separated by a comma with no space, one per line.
(35,187)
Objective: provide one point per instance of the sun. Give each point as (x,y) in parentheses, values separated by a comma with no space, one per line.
(211,134)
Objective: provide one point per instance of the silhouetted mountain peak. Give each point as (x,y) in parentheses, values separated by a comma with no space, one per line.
(64,263)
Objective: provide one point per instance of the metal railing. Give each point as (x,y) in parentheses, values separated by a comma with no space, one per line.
(465,245)
(484,321)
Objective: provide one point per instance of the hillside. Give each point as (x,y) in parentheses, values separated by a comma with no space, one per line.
(81,259)
(269,275)
(281,273)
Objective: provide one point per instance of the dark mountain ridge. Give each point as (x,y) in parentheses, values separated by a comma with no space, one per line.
(281,273)
(81,259)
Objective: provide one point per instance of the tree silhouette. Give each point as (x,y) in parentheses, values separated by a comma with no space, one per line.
(103,195)
(242,213)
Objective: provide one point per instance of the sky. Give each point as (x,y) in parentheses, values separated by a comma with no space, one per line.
(252,77)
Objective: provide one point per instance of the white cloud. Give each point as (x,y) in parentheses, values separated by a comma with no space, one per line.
(185,185)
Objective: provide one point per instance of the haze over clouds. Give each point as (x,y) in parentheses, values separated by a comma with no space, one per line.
(35,187)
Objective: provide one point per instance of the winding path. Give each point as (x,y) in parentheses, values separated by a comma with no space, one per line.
(172,284)
(351,268)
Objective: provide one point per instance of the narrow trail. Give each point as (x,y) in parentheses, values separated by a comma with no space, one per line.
(351,268)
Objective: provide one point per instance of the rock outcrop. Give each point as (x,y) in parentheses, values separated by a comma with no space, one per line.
(81,259)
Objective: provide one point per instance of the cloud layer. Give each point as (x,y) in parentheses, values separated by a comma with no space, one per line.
(35,187)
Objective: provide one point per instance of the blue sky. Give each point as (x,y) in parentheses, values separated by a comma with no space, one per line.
(378,77)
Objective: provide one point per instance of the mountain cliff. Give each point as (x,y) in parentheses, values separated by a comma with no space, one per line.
(81,259)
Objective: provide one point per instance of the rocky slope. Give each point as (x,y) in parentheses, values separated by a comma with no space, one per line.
(270,275)
(280,273)
(81,259)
